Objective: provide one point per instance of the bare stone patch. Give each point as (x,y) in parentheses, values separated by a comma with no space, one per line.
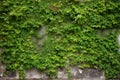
(87,74)
(76,74)
(62,75)
(2,70)
(33,73)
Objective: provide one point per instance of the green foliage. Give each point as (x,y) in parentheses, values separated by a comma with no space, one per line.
(83,32)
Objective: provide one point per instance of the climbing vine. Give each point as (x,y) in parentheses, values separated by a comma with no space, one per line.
(83,32)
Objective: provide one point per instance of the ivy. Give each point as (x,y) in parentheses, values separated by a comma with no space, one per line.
(81,32)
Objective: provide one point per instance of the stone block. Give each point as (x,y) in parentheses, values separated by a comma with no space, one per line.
(114,79)
(2,70)
(87,74)
(33,74)
(62,74)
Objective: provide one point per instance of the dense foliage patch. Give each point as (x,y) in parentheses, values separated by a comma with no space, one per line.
(76,32)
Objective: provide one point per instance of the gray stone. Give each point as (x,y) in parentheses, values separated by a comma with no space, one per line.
(45,77)
(92,79)
(87,74)
(12,75)
(119,41)
(62,75)
(42,31)
(33,73)
(40,39)
(94,73)
(1,50)
(114,79)
(76,73)
(2,70)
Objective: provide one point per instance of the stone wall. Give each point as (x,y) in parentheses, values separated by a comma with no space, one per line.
(74,74)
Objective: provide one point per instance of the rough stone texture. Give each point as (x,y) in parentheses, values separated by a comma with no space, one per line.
(119,41)
(2,70)
(42,33)
(33,73)
(41,37)
(76,74)
(114,79)
(87,74)
(1,50)
(62,75)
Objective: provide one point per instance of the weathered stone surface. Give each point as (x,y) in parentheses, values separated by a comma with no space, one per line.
(1,50)
(94,73)
(11,74)
(114,79)
(119,41)
(62,75)
(40,39)
(10,79)
(87,74)
(33,73)
(76,74)
(2,70)
(32,79)
(42,31)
